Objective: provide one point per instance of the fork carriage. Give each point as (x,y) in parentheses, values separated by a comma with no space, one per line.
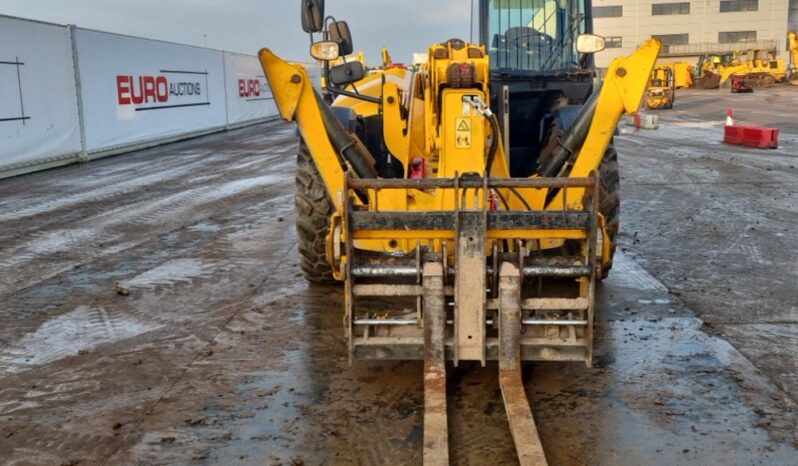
(385,294)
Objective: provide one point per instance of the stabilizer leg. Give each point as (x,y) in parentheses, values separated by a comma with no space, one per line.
(436,434)
(522,424)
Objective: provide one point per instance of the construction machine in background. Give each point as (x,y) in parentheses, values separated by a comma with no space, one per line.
(661,92)
(758,68)
(682,73)
(792,39)
(469,205)
(764,68)
(707,72)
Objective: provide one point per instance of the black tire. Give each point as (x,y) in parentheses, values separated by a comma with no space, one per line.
(610,206)
(313,211)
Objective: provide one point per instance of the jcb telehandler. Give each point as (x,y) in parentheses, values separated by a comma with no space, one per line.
(469,206)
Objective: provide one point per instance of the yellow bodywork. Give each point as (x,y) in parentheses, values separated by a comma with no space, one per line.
(386,58)
(682,73)
(792,38)
(451,137)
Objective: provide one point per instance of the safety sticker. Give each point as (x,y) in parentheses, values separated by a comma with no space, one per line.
(463,133)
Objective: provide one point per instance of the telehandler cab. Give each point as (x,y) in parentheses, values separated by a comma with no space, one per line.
(468,205)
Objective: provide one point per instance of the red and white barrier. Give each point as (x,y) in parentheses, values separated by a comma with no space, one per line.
(748,135)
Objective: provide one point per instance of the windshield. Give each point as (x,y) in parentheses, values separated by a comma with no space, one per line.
(533,35)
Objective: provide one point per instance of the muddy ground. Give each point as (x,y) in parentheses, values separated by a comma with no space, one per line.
(152,312)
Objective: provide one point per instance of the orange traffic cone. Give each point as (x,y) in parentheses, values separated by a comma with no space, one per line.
(729,117)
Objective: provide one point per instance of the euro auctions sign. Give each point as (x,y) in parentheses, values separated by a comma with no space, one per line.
(253,88)
(249,96)
(138,90)
(168,89)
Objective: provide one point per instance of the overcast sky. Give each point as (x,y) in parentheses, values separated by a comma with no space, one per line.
(405,26)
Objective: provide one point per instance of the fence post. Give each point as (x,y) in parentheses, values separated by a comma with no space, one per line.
(83,156)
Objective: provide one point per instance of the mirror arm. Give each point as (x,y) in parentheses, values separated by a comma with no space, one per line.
(326,69)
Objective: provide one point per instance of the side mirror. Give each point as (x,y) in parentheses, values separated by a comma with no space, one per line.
(339,32)
(590,43)
(348,73)
(325,50)
(312,15)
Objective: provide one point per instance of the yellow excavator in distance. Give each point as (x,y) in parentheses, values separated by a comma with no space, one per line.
(469,205)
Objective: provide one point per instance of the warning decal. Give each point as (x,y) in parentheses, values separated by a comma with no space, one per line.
(463,133)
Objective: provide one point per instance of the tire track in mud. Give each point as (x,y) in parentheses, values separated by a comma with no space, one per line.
(242,319)
(105,191)
(109,225)
(183,295)
(170,170)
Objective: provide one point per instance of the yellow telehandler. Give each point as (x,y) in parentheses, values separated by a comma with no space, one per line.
(661,92)
(468,206)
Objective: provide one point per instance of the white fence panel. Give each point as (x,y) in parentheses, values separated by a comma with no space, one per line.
(249,97)
(38,103)
(314,73)
(136,90)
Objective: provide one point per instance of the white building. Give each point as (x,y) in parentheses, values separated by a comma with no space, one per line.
(692,28)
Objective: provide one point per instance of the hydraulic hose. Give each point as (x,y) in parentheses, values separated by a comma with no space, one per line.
(494,145)
(348,146)
(572,139)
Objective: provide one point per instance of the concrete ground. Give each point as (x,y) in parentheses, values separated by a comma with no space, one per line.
(222,354)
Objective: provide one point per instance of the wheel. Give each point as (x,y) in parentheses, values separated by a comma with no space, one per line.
(610,206)
(313,211)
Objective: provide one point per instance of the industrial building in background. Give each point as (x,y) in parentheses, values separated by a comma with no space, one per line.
(690,29)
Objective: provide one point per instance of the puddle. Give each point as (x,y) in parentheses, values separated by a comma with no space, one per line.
(67,335)
(654,301)
(239,186)
(205,226)
(268,422)
(172,272)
